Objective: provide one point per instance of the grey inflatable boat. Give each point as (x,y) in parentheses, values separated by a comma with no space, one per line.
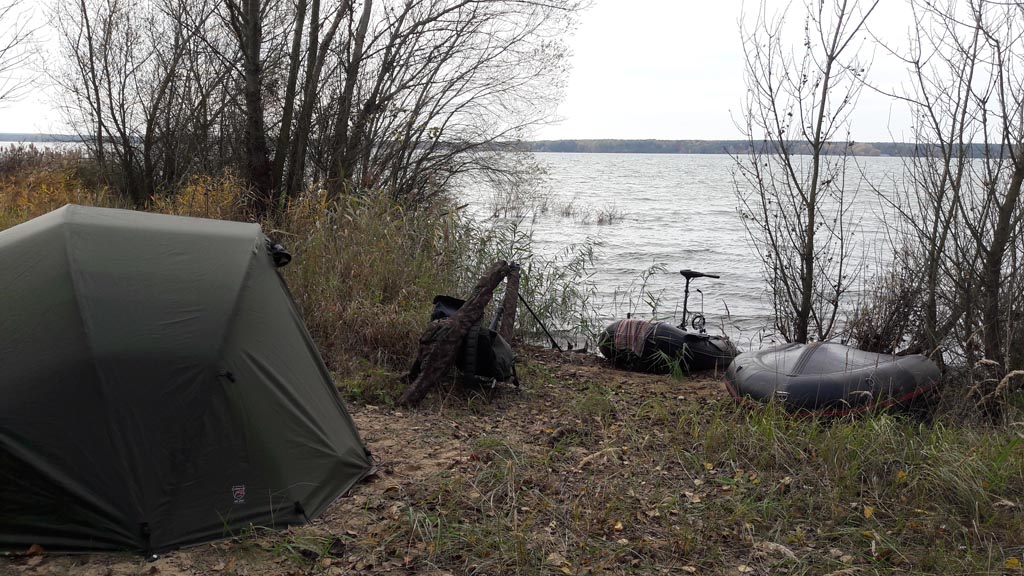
(829,379)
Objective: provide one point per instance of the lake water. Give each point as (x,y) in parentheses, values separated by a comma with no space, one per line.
(678,211)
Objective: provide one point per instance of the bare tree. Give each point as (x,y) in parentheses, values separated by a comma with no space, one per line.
(130,84)
(968,99)
(320,43)
(793,195)
(247,20)
(441,84)
(348,96)
(16,40)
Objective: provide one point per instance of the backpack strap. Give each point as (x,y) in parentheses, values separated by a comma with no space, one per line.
(472,345)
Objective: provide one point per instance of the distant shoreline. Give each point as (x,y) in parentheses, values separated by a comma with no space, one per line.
(605,146)
(611,146)
(31,138)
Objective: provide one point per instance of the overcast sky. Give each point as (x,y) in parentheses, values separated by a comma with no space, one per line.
(666,69)
(673,69)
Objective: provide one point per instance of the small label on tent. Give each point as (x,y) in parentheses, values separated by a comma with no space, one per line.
(238,493)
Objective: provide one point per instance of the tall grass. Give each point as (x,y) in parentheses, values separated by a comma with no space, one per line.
(366,270)
(558,287)
(34,181)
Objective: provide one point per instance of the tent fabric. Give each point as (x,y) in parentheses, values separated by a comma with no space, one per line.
(159,387)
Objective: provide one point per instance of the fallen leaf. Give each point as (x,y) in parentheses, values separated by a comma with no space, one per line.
(709,466)
(556,559)
(618,526)
(773,548)
(1012,564)
(744,569)
(785,484)
(337,548)
(689,569)
(869,511)
(623,541)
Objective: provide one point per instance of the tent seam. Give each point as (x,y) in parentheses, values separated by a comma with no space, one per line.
(88,333)
(218,359)
(235,306)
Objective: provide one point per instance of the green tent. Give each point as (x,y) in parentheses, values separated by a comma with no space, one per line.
(158,386)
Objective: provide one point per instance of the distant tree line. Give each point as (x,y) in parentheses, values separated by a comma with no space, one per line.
(734,147)
(35,137)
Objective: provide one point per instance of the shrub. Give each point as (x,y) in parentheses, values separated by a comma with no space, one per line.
(887,316)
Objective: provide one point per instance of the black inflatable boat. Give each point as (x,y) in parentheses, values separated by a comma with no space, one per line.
(658,346)
(829,379)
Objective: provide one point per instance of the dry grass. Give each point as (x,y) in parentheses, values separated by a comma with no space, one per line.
(34,181)
(365,274)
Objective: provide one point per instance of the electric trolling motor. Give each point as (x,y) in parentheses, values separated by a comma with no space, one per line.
(698,319)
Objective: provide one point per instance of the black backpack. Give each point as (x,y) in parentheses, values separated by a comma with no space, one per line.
(484,356)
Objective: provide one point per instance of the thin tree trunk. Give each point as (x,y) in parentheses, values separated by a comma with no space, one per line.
(247,25)
(992,332)
(94,82)
(341,167)
(281,150)
(314,67)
